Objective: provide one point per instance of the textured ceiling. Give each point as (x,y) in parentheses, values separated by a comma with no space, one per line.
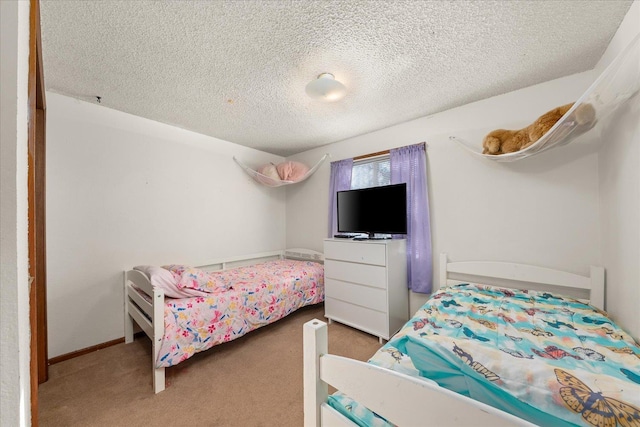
(237,70)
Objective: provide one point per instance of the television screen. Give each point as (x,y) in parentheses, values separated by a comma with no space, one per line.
(380,210)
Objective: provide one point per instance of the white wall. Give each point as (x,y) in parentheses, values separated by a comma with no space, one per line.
(619,180)
(15,395)
(542,210)
(124,191)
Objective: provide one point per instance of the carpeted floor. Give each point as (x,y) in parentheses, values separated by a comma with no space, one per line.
(255,380)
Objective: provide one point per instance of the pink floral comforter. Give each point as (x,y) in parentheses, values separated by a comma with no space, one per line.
(254,296)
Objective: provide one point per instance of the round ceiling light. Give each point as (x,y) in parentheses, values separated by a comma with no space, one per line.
(326,88)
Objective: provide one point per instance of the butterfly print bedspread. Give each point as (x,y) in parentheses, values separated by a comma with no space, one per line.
(549,359)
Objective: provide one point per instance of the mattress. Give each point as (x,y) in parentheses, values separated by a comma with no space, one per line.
(257,295)
(548,359)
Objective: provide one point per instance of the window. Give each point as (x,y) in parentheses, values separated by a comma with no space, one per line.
(371,172)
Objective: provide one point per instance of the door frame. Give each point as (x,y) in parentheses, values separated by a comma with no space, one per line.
(36,178)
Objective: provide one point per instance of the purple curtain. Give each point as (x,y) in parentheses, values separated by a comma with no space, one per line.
(409,164)
(340,180)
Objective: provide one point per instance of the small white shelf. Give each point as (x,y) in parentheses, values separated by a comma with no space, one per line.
(618,83)
(270,182)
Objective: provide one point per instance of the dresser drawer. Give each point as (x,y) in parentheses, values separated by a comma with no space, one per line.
(373,298)
(370,275)
(365,253)
(362,318)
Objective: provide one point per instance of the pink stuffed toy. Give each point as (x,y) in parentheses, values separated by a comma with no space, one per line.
(292,171)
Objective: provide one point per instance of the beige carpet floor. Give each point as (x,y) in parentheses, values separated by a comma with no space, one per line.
(255,380)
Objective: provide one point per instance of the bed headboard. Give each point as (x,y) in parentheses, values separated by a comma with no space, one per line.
(242,260)
(523,276)
(304,254)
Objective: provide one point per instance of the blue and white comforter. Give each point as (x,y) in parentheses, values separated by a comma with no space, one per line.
(548,359)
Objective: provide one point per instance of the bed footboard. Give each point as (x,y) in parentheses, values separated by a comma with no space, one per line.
(148,314)
(400,398)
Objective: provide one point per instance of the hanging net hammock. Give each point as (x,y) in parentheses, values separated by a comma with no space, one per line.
(618,83)
(272,180)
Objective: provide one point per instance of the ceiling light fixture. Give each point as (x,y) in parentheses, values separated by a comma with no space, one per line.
(326,88)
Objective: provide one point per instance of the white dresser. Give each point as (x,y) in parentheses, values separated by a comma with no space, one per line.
(366,284)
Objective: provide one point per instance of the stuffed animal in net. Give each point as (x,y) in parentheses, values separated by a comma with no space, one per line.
(503,141)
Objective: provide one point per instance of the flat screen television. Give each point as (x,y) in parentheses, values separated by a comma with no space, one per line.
(375,210)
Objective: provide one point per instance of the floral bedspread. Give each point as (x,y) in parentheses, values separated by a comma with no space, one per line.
(255,296)
(548,359)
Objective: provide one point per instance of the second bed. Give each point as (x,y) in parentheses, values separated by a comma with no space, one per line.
(476,354)
(185,310)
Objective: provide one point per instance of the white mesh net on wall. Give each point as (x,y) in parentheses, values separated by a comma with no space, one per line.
(617,84)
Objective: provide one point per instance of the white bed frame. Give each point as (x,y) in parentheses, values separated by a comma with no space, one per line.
(396,396)
(149,316)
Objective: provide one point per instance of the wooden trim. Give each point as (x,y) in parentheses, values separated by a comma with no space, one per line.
(88,350)
(41,102)
(366,156)
(40,282)
(38,370)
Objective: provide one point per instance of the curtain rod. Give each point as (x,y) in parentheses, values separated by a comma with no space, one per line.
(379,153)
(366,156)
